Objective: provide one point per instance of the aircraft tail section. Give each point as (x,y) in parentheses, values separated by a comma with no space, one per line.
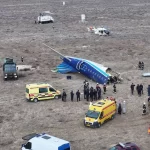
(64,68)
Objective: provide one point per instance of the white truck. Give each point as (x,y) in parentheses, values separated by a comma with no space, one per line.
(44,142)
(45,17)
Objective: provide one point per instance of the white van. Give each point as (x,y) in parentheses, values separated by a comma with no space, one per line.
(44,142)
(45,17)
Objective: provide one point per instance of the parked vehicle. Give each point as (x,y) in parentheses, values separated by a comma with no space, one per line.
(100,112)
(45,17)
(9,69)
(41,91)
(125,146)
(44,142)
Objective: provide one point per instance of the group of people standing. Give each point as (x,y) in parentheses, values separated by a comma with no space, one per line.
(91,93)
(64,95)
(139,89)
(141,65)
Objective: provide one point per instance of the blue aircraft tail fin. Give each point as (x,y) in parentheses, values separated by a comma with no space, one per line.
(64,68)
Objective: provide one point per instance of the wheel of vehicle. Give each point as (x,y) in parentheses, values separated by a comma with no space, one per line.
(56,97)
(35,100)
(5,79)
(99,125)
(112,117)
(84,123)
(27,100)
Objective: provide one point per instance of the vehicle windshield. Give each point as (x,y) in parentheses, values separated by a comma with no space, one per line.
(113,148)
(45,14)
(10,68)
(92,114)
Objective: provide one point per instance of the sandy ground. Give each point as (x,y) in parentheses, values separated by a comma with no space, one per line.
(129,42)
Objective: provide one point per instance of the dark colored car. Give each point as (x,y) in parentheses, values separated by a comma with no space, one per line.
(125,146)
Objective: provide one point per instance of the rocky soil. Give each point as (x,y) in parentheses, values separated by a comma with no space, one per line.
(129,43)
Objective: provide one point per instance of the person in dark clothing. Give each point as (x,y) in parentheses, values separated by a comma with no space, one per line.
(141,88)
(138,89)
(97,86)
(87,94)
(84,93)
(148,102)
(144,108)
(119,109)
(148,99)
(84,90)
(104,88)
(21,59)
(64,95)
(91,93)
(95,94)
(139,65)
(72,95)
(132,88)
(87,84)
(142,65)
(148,90)
(78,95)
(99,93)
(114,86)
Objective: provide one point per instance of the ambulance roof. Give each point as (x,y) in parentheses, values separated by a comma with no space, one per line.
(46,142)
(38,85)
(101,104)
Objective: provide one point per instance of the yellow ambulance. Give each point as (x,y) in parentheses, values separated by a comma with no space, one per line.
(41,91)
(100,112)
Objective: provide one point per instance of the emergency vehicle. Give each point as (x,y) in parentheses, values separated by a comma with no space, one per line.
(44,142)
(100,112)
(99,31)
(41,91)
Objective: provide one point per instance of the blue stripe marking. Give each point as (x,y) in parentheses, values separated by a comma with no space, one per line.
(64,146)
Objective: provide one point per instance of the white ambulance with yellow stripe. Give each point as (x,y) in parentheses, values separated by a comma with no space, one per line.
(41,91)
(100,112)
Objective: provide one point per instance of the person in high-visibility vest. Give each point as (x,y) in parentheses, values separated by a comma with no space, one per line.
(149,130)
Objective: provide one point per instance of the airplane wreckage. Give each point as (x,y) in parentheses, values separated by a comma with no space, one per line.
(90,69)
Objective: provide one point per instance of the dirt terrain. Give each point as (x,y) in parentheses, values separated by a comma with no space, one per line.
(129,42)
